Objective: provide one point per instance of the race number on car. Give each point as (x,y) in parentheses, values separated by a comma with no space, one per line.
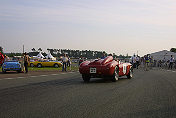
(93,70)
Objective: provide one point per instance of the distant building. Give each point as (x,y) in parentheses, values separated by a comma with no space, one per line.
(163,54)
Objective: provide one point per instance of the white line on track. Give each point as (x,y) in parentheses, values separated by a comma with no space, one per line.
(9,78)
(32,76)
(54,74)
(20,77)
(168,70)
(43,75)
(173,71)
(63,73)
(1,79)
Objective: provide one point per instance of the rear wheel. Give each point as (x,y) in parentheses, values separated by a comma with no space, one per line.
(56,65)
(19,71)
(115,76)
(32,65)
(130,74)
(86,78)
(3,71)
(39,65)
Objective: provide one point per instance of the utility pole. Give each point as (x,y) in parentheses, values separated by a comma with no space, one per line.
(23,49)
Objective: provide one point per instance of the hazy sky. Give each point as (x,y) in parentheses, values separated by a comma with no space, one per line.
(120,26)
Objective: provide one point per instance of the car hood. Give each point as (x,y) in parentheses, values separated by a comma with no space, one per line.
(10,63)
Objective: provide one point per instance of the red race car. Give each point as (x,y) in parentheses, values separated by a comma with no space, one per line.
(105,68)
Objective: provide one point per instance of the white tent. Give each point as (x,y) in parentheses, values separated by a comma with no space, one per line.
(163,54)
(49,56)
(40,56)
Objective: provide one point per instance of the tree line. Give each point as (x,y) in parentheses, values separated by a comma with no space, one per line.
(89,54)
(173,50)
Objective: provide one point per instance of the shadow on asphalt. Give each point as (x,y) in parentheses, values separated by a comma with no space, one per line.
(10,72)
(154,113)
(105,80)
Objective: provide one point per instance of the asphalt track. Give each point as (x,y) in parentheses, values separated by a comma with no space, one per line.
(149,94)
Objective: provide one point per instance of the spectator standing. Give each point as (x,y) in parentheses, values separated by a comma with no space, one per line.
(64,62)
(21,60)
(142,62)
(159,63)
(171,62)
(146,62)
(6,58)
(137,61)
(151,61)
(81,59)
(26,61)
(69,63)
(103,56)
(134,61)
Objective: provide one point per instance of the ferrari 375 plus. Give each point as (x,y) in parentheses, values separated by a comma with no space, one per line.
(105,68)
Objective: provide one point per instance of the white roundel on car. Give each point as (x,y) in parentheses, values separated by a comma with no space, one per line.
(124,68)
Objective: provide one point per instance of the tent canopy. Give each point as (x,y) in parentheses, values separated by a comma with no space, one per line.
(40,56)
(49,56)
(161,55)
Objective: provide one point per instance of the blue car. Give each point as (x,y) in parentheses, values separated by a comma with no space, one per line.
(11,66)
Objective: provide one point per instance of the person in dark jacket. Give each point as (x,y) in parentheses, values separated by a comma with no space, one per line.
(26,61)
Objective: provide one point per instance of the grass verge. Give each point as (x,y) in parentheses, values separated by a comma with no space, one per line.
(73,68)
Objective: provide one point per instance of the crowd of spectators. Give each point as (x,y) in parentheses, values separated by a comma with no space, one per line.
(148,62)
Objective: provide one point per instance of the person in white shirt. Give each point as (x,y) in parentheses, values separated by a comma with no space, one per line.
(171,62)
(137,61)
(64,62)
(134,61)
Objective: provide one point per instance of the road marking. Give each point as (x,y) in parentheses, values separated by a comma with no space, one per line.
(32,76)
(63,73)
(168,70)
(54,74)
(20,77)
(174,71)
(9,78)
(43,75)
(1,79)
